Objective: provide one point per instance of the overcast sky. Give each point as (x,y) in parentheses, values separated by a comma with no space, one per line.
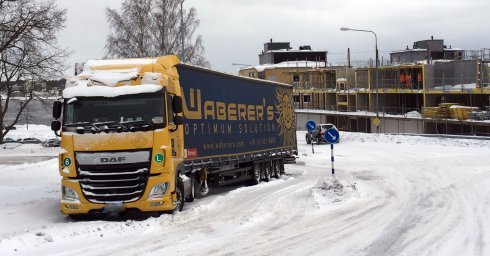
(234,31)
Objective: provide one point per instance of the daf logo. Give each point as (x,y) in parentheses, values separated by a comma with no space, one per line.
(112,159)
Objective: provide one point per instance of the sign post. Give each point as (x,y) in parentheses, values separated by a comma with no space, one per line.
(332,136)
(310,126)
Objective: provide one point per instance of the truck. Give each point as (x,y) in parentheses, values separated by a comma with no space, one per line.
(149,134)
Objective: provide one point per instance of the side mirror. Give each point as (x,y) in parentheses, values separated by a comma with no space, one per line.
(57,110)
(55,126)
(178,120)
(177,104)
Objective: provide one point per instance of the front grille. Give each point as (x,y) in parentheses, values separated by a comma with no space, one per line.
(114,183)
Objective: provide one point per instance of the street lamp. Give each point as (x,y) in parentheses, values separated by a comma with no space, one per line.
(377,65)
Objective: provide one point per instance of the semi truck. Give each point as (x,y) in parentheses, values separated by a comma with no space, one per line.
(150,134)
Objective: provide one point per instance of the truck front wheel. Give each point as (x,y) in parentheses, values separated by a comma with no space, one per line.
(179,192)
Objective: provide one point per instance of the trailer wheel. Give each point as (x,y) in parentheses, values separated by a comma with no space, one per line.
(277,168)
(256,171)
(267,171)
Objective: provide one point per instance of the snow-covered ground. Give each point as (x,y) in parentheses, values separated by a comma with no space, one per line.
(395,195)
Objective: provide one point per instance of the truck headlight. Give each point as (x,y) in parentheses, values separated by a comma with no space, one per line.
(158,190)
(69,193)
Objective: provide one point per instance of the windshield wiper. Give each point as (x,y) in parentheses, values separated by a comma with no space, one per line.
(110,126)
(81,127)
(139,125)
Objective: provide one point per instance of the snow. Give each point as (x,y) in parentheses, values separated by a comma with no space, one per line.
(392,195)
(41,132)
(414,114)
(456,87)
(290,64)
(83,90)
(111,77)
(90,64)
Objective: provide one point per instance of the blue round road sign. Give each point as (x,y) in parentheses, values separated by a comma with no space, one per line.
(331,135)
(310,126)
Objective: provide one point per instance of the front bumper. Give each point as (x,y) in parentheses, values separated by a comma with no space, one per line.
(144,204)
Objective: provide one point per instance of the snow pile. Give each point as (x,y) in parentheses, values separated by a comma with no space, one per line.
(414,114)
(331,190)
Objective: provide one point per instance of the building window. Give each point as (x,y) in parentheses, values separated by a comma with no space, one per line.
(272,78)
(295,98)
(306,98)
(306,77)
(296,78)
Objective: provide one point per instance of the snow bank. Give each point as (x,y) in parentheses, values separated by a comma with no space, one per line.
(332,190)
(42,132)
(411,140)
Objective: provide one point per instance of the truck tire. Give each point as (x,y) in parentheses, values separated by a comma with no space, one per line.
(267,171)
(197,187)
(192,195)
(256,174)
(277,168)
(179,191)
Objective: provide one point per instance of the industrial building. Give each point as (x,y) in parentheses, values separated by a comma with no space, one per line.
(443,91)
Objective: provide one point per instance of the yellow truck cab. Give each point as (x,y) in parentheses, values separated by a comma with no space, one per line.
(116,140)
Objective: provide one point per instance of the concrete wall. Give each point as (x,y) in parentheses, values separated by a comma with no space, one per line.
(387,125)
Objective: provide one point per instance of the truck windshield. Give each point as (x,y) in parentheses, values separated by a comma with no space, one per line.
(123,113)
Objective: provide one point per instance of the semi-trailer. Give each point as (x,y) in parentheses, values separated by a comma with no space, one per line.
(149,134)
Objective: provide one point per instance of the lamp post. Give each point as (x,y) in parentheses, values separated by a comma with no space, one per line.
(377,65)
(182,30)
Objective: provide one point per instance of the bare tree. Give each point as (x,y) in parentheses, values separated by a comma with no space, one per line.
(28,50)
(149,28)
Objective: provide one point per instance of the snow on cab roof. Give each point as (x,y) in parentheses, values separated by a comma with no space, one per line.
(82,89)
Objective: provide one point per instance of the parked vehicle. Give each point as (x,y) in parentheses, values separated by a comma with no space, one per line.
(52,143)
(148,134)
(9,140)
(316,136)
(30,141)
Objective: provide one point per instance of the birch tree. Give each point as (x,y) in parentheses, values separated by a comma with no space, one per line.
(150,28)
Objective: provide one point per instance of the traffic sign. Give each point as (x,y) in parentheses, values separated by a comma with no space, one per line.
(331,135)
(310,126)
(376,122)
